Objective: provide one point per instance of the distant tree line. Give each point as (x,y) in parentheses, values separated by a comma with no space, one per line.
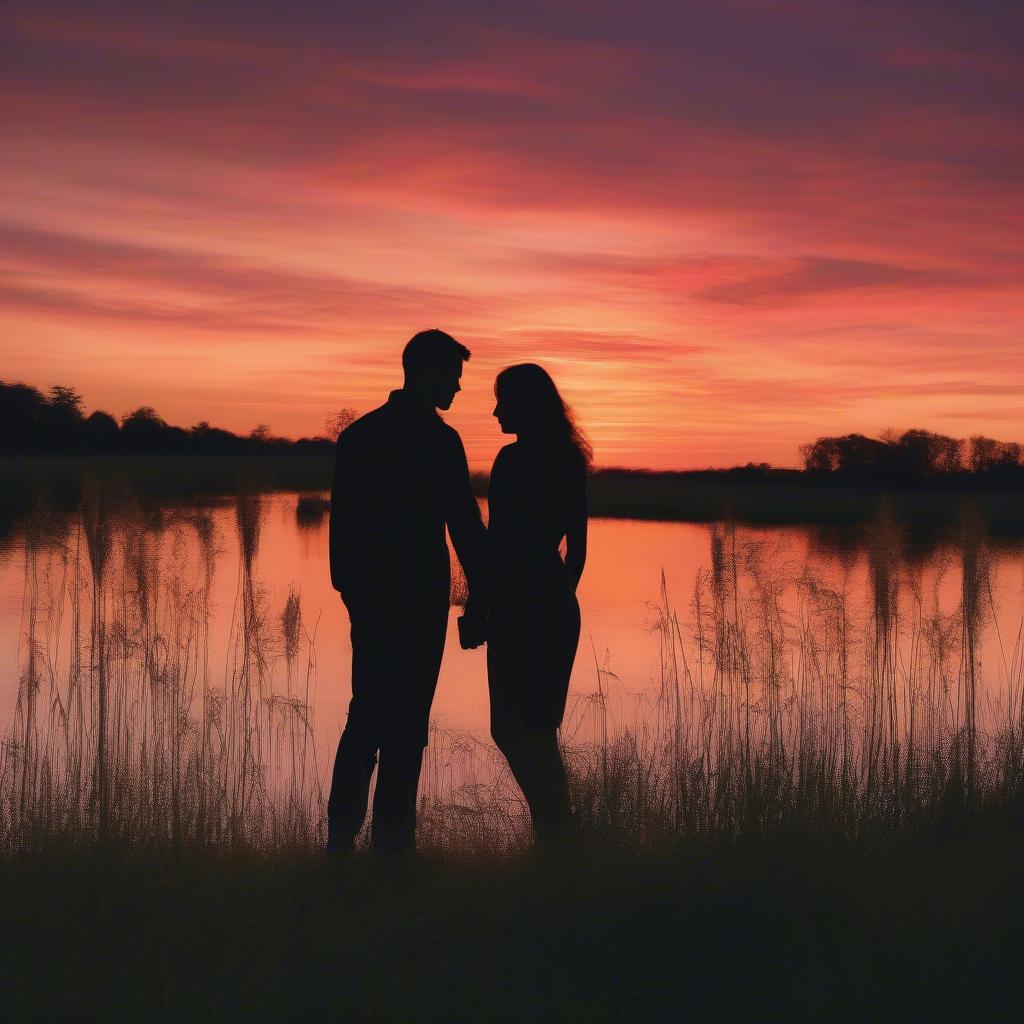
(55,423)
(914,457)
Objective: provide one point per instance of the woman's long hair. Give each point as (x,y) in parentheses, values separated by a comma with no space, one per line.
(554,420)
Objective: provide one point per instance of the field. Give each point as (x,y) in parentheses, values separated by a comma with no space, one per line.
(789,931)
(806,824)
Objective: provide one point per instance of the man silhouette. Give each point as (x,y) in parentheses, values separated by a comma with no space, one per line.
(400,478)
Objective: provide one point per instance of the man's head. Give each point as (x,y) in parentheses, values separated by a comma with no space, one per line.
(432,361)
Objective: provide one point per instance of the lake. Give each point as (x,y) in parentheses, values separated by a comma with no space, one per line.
(771,598)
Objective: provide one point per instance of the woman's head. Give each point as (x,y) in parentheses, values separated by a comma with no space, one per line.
(529,405)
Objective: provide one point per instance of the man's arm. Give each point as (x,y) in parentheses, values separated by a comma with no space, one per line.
(466,527)
(342,525)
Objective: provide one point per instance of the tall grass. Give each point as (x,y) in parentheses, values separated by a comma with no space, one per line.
(788,702)
(121,732)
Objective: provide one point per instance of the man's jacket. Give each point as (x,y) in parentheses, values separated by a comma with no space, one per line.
(400,478)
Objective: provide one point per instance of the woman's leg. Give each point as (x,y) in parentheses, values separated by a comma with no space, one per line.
(533,756)
(506,722)
(535,760)
(547,786)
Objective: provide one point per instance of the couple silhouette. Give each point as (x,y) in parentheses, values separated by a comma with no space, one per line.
(400,480)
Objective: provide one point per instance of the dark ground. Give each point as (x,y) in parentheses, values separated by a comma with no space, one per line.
(787,932)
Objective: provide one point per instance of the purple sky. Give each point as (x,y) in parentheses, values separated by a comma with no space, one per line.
(725,228)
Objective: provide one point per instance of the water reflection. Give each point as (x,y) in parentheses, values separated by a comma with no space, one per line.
(862,634)
(311,510)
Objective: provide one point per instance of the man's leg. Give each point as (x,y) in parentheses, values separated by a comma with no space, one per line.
(394,802)
(360,739)
(350,786)
(410,659)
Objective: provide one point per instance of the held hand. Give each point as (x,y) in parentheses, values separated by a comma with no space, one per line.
(472,631)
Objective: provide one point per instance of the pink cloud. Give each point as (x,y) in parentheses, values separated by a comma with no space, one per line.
(723,226)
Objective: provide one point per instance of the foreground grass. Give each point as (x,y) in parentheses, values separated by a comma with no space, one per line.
(784,931)
(816,817)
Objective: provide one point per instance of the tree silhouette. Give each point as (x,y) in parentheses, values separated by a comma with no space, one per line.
(342,419)
(55,423)
(912,457)
(100,432)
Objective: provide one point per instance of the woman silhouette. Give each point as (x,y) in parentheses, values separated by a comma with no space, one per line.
(537,497)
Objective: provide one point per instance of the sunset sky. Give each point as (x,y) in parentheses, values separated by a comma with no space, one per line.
(725,227)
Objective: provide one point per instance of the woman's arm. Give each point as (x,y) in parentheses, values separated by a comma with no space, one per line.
(576,528)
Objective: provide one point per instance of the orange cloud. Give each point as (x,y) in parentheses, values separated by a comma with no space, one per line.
(724,228)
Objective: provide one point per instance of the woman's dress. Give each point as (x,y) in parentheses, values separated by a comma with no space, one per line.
(533,629)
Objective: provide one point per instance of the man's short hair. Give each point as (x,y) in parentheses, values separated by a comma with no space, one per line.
(432,348)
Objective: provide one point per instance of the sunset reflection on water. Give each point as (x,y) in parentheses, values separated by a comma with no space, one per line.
(618,596)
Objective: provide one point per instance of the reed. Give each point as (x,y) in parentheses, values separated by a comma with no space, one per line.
(120,733)
(786,707)
(787,703)
(777,809)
